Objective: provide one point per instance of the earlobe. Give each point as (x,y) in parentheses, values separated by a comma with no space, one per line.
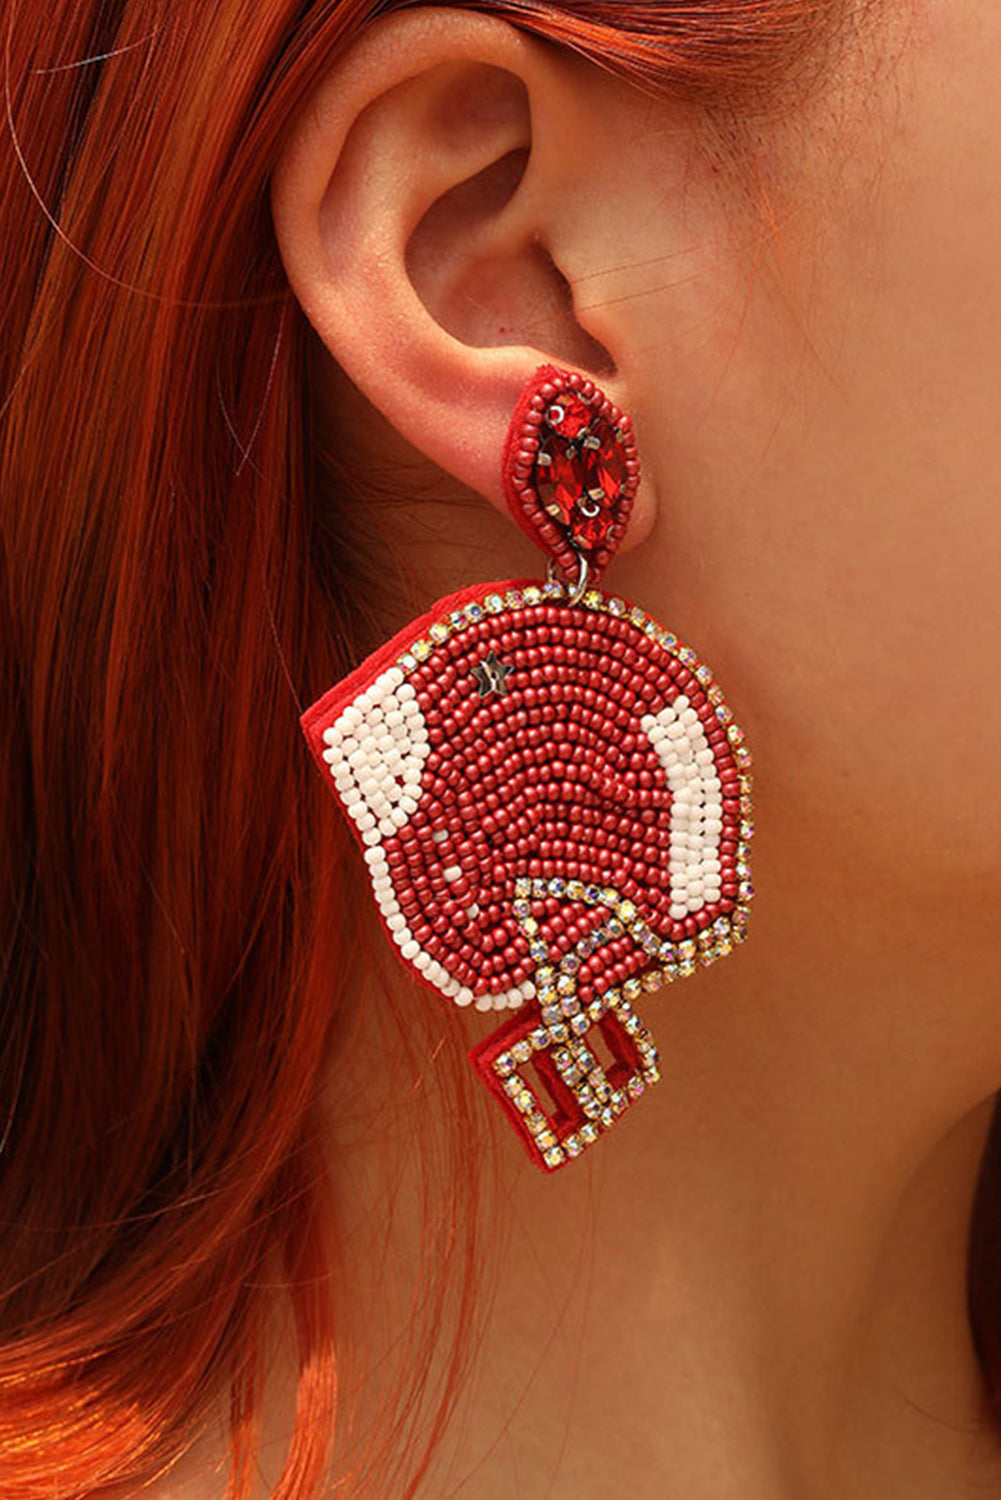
(415,205)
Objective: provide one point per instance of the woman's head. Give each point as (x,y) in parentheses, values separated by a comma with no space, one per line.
(457,200)
(272,279)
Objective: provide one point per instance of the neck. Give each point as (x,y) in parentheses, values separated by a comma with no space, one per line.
(757,1285)
(801,1327)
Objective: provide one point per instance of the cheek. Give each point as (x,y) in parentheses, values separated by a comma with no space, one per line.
(830,529)
(862,647)
(884,553)
(854,618)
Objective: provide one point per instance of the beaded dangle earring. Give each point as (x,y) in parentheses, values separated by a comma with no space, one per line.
(552,798)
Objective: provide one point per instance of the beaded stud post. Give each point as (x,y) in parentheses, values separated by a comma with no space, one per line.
(552,797)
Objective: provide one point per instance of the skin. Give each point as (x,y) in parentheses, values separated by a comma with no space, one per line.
(757,1289)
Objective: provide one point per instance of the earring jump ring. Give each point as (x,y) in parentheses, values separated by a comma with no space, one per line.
(578,588)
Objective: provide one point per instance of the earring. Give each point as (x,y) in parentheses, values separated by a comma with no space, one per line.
(552,798)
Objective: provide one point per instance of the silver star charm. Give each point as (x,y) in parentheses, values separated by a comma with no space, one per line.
(491,675)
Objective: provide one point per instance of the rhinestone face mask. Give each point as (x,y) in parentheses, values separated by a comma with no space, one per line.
(551,795)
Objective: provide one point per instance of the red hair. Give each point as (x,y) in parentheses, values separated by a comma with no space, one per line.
(172,905)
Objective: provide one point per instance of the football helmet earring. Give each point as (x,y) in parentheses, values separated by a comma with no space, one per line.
(552,798)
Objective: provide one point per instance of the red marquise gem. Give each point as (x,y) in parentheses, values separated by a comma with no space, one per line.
(590,531)
(575,472)
(609,467)
(570,416)
(564,474)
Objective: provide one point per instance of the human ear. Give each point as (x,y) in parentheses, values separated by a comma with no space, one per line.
(434,201)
